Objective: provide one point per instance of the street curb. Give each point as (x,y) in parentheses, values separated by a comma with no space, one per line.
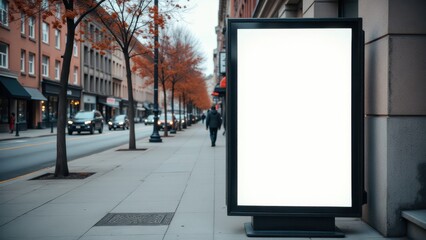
(19,137)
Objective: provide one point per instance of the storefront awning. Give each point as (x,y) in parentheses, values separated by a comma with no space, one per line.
(10,87)
(109,101)
(35,94)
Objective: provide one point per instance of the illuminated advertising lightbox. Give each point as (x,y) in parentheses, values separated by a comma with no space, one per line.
(294,117)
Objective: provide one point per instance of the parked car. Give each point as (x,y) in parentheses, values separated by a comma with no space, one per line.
(86,121)
(119,121)
(182,120)
(149,120)
(161,122)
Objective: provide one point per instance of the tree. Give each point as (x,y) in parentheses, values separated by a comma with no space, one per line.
(144,67)
(179,70)
(184,59)
(126,21)
(73,12)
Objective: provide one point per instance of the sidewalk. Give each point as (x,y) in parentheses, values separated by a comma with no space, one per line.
(183,176)
(27,133)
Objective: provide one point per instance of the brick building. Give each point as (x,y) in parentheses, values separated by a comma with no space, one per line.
(30,67)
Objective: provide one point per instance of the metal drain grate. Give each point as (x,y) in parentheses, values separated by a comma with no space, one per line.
(136,219)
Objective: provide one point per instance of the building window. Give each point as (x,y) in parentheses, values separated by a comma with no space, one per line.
(31,59)
(22,60)
(75,49)
(86,82)
(45,66)
(4,9)
(44,4)
(86,55)
(92,59)
(31,27)
(57,39)
(57,69)
(97,61)
(58,10)
(4,55)
(75,75)
(45,33)
(22,23)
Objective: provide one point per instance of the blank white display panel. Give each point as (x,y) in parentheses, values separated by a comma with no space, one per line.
(294,117)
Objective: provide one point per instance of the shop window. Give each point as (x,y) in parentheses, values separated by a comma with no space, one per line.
(44,112)
(53,108)
(4,110)
(22,111)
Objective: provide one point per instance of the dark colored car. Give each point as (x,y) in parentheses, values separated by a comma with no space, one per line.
(86,121)
(182,120)
(149,120)
(119,121)
(161,122)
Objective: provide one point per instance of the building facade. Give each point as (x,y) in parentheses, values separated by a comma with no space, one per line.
(31,50)
(31,59)
(395,99)
(97,72)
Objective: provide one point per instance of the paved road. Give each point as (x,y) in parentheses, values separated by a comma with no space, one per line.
(22,156)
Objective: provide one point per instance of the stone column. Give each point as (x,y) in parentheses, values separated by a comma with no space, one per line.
(395,97)
(320,8)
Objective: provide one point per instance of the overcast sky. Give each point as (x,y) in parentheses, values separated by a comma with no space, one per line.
(201,20)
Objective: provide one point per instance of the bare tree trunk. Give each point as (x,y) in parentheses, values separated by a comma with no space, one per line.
(131,111)
(173,107)
(165,110)
(61,168)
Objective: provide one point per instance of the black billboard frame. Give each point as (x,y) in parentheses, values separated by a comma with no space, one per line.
(276,220)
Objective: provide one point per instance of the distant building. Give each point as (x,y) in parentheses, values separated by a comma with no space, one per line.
(31,52)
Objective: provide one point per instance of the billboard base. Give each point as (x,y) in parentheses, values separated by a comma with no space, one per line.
(293,227)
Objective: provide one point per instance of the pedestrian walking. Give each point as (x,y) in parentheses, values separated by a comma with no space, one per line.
(203,117)
(213,122)
(12,122)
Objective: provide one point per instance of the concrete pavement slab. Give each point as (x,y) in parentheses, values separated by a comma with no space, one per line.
(122,236)
(183,174)
(125,231)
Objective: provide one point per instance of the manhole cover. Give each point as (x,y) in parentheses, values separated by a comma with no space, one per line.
(136,219)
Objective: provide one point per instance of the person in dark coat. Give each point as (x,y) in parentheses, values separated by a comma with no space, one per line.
(203,117)
(213,122)
(11,122)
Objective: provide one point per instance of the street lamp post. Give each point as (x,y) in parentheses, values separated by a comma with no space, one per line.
(155,136)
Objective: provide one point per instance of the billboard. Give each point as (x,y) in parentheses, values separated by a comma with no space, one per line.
(295,117)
